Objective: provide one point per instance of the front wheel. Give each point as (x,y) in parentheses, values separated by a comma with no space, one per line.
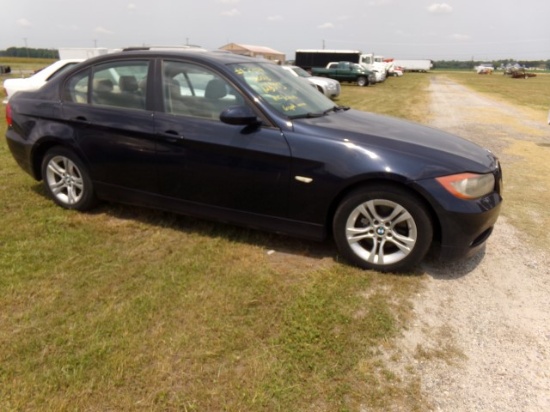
(362,81)
(382,228)
(66,180)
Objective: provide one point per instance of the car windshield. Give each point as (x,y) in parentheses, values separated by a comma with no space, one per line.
(288,94)
(301,72)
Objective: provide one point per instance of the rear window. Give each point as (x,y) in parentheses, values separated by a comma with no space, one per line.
(61,70)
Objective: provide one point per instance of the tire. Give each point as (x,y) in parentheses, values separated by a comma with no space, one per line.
(362,81)
(382,228)
(66,180)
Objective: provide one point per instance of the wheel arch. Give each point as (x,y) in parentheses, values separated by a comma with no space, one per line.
(45,145)
(395,183)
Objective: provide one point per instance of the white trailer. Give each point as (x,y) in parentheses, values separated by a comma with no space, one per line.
(83,52)
(413,65)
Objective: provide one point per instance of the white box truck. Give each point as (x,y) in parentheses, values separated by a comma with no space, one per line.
(413,65)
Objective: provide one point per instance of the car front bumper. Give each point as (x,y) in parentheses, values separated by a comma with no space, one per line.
(463,226)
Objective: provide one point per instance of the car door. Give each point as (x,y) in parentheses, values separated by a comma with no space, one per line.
(107,108)
(207,162)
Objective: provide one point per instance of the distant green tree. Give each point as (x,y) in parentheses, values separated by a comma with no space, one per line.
(30,52)
(470,64)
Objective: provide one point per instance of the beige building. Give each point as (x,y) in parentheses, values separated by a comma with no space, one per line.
(255,51)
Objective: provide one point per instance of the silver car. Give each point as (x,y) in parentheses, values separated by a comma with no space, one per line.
(329,87)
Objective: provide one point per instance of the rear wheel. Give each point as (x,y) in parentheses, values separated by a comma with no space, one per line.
(362,81)
(66,180)
(382,228)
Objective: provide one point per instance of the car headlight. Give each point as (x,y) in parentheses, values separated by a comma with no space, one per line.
(468,185)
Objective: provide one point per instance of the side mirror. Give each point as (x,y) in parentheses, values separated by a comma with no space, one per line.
(239,115)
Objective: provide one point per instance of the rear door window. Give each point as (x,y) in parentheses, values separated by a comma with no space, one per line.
(120,84)
(116,84)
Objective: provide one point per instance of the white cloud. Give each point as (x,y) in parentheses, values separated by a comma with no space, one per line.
(131,6)
(230,1)
(326,26)
(231,13)
(102,30)
(275,18)
(24,23)
(440,8)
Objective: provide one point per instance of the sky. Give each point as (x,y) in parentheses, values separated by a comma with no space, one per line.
(403,29)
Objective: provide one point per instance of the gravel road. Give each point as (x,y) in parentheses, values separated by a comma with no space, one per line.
(480,340)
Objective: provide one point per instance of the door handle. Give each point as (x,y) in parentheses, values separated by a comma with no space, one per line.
(171,136)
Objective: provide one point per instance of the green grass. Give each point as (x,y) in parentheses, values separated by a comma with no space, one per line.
(23,66)
(404,97)
(130,309)
(533,92)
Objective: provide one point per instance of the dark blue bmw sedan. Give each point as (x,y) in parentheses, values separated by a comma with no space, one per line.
(221,136)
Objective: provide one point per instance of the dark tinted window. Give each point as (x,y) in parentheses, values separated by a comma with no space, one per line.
(76,89)
(118,84)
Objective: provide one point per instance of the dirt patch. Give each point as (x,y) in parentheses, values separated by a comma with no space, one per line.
(481,337)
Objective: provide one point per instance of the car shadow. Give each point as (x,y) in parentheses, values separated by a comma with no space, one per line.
(274,243)
(452,270)
(278,246)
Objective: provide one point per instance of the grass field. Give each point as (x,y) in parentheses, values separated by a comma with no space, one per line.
(23,67)
(131,309)
(533,92)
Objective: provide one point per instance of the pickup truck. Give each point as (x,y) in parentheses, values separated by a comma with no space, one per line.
(346,72)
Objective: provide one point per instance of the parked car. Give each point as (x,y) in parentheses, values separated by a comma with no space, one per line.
(38,79)
(346,72)
(396,72)
(329,87)
(228,137)
(484,68)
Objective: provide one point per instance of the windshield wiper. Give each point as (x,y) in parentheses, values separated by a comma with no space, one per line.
(336,109)
(311,115)
(307,115)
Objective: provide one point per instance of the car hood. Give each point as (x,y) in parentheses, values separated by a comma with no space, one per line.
(444,152)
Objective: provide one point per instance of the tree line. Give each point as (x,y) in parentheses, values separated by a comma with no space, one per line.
(470,64)
(30,52)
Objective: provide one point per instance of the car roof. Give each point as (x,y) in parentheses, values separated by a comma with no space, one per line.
(216,56)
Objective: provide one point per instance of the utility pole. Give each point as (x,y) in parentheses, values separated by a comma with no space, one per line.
(26,47)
